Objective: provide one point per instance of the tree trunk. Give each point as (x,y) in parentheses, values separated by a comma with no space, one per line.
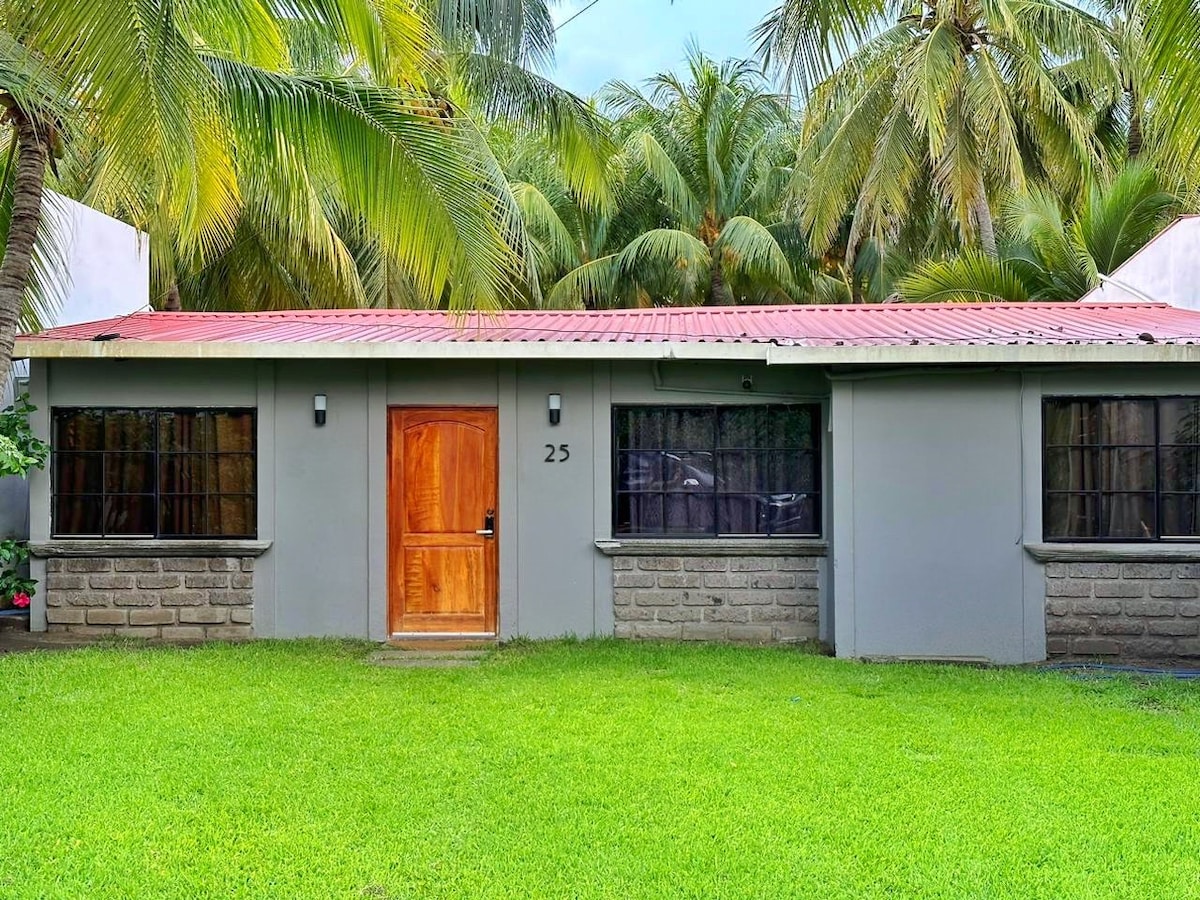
(29,187)
(718,293)
(1135,139)
(983,221)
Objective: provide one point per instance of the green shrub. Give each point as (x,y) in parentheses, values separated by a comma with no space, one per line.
(20,452)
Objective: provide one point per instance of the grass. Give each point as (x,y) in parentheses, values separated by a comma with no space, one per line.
(599,769)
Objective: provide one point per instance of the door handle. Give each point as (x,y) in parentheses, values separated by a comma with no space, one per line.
(489,525)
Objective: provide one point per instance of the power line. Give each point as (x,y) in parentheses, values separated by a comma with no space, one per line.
(567,21)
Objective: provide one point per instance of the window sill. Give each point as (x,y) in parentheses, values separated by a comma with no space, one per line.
(146,547)
(713,547)
(1086,552)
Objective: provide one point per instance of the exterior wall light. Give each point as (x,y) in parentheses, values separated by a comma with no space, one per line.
(320,402)
(554,407)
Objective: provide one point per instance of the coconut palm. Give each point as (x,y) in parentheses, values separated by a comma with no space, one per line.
(934,109)
(224,129)
(265,269)
(701,169)
(1046,256)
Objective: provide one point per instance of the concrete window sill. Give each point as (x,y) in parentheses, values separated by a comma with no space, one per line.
(1163,552)
(713,547)
(105,547)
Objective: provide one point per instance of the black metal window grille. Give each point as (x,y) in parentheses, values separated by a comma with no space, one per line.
(1121,468)
(714,471)
(167,473)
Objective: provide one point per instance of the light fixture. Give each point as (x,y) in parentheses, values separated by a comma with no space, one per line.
(319,406)
(554,407)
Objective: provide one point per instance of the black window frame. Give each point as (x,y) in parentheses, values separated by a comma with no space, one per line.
(816,410)
(1158,448)
(157,453)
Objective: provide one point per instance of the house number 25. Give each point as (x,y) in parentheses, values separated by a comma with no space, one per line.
(561,453)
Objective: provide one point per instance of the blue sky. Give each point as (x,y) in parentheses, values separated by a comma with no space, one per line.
(633,39)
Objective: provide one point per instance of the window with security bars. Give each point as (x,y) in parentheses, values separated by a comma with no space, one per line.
(168,473)
(1121,468)
(710,471)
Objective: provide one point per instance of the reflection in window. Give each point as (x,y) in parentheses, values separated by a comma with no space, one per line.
(717,470)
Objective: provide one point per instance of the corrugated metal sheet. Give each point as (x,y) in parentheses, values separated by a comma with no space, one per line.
(798,326)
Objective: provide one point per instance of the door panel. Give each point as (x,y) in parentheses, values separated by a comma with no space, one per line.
(442,485)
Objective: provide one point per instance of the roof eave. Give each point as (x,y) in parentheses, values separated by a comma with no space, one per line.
(920,354)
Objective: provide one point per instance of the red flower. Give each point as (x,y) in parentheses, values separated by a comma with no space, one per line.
(20,600)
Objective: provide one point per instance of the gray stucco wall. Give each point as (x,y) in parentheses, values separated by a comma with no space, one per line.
(323,490)
(321,501)
(928,517)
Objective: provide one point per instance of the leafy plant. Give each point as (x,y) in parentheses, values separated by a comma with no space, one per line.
(15,588)
(20,452)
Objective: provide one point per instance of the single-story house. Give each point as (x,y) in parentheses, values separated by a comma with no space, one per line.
(1004,482)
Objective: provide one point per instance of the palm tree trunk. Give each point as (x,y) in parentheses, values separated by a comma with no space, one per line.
(718,293)
(1135,139)
(983,220)
(28,188)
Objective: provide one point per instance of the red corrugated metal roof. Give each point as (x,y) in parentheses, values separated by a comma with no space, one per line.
(797,326)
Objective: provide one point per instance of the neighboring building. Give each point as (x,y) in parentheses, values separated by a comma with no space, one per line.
(106,273)
(1166,270)
(999,482)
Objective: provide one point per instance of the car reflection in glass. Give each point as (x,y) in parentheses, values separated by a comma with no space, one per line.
(694,472)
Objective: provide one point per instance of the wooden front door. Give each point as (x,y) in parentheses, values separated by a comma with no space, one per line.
(442,521)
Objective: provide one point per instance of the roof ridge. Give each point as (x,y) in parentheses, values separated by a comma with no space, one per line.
(869,308)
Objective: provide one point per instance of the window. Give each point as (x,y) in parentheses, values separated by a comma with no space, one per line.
(1121,468)
(716,470)
(153,473)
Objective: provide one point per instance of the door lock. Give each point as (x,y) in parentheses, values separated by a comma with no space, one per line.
(489,524)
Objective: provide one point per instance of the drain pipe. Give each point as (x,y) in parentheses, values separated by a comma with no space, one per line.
(1127,288)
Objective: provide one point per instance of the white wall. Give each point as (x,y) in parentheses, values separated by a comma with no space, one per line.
(1166,270)
(108,262)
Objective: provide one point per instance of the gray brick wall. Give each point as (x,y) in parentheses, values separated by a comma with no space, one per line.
(761,599)
(1123,611)
(172,599)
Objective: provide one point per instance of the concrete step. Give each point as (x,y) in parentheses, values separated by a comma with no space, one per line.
(427,658)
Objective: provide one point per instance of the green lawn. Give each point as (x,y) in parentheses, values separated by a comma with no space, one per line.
(587,770)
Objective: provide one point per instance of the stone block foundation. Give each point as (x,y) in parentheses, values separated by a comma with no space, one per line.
(759,599)
(167,598)
(1122,610)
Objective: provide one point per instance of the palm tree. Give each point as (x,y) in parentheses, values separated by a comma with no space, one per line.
(484,93)
(1044,256)
(701,170)
(926,110)
(224,127)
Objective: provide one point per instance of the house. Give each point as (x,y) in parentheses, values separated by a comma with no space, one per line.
(1004,482)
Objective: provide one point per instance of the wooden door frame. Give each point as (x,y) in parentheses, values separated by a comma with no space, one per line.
(395,504)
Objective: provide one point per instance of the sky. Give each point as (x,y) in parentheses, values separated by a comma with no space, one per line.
(634,39)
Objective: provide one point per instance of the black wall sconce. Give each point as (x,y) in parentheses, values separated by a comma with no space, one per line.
(320,403)
(554,408)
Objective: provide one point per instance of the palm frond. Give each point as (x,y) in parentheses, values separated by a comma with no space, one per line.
(970,278)
(426,185)
(676,191)
(594,285)
(749,250)
(543,220)
(1120,219)
(804,41)
(507,92)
